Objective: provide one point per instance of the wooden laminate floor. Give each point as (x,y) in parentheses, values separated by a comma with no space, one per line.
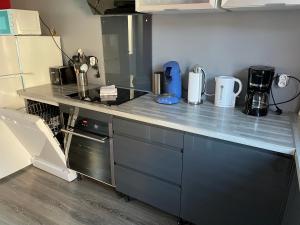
(34,197)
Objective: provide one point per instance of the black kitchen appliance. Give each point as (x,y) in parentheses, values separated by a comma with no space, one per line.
(62,75)
(112,7)
(259,84)
(93,95)
(88,143)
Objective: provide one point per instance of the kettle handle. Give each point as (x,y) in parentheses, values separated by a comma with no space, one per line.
(200,70)
(240,86)
(203,81)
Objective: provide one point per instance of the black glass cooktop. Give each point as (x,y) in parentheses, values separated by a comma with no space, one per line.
(93,95)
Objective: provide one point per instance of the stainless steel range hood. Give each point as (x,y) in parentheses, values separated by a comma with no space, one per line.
(112,7)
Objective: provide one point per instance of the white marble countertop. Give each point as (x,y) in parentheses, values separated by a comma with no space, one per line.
(272,132)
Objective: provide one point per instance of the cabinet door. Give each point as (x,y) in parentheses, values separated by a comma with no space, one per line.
(37,139)
(226,183)
(9,64)
(293,205)
(174,5)
(267,4)
(14,156)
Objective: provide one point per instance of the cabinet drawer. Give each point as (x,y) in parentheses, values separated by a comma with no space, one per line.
(157,193)
(147,132)
(148,158)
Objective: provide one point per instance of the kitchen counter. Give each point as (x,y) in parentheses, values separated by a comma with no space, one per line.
(272,132)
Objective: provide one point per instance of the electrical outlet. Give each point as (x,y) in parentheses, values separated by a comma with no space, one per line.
(282,80)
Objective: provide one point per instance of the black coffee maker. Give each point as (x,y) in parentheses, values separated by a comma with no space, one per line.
(260,80)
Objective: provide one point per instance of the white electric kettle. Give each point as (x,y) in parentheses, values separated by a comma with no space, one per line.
(224,91)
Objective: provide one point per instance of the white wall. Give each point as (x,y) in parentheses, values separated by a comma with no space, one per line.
(228,43)
(74,22)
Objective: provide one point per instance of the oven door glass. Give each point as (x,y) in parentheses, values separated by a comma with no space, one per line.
(90,158)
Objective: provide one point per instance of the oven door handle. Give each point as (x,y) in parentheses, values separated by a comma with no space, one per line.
(102,140)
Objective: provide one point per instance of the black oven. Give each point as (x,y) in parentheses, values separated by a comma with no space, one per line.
(88,143)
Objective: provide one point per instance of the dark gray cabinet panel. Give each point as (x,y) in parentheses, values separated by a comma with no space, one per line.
(149,133)
(231,184)
(292,214)
(148,158)
(148,163)
(86,113)
(148,189)
(121,60)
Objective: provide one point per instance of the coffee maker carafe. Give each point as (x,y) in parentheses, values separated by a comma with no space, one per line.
(259,84)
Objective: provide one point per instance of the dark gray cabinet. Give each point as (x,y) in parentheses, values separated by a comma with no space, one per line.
(203,180)
(148,133)
(151,190)
(226,183)
(292,213)
(148,163)
(154,160)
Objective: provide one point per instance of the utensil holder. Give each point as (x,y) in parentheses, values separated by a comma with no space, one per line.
(82,79)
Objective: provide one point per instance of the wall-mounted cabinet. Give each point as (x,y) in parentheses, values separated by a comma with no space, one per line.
(165,6)
(260,4)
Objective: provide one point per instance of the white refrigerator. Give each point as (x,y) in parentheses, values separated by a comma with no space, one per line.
(26,139)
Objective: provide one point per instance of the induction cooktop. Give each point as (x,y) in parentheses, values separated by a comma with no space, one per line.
(93,95)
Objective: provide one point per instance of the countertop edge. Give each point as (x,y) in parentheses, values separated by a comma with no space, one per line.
(207,133)
(296,133)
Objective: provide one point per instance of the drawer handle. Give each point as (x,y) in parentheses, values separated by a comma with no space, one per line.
(102,140)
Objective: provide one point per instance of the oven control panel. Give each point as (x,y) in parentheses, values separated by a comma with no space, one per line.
(91,126)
